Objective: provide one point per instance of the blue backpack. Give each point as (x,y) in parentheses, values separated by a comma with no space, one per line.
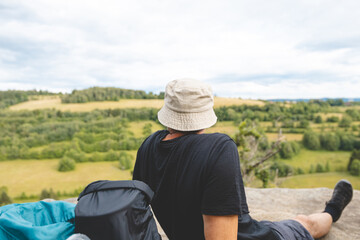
(37,220)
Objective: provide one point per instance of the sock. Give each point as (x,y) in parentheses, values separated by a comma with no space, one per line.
(333,210)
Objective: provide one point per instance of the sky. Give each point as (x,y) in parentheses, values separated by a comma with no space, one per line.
(257,49)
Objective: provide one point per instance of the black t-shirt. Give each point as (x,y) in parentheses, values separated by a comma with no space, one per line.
(192,175)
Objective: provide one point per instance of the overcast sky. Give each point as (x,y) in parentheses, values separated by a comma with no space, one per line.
(249,49)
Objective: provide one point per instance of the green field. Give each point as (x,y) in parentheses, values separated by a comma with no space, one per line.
(318,180)
(43,102)
(137,127)
(32,176)
(338,160)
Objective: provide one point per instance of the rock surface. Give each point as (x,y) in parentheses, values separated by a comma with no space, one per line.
(281,203)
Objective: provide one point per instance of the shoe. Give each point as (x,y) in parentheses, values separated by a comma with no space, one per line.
(341,197)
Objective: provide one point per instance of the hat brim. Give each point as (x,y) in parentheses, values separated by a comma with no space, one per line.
(185,121)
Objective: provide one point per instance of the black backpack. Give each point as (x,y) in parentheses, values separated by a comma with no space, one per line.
(118,210)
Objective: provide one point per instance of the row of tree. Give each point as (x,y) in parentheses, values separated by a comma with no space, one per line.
(330,141)
(12,97)
(107,94)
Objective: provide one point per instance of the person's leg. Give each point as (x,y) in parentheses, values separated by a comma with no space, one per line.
(319,224)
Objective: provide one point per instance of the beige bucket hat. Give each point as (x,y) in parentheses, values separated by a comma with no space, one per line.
(188,105)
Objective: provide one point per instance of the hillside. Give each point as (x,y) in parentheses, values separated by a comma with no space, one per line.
(55,102)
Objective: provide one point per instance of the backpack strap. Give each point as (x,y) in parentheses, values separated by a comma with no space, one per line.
(112,185)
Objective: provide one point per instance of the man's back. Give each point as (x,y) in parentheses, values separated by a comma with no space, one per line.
(193,175)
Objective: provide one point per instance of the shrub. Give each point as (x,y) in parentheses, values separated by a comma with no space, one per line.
(147,129)
(299,171)
(76,155)
(283,169)
(318,119)
(66,164)
(263,175)
(346,142)
(330,141)
(311,170)
(319,168)
(345,122)
(311,140)
(289,149)
(125,160)
(4,198)
(354,156)
(304,124)
(48,194)
(288,124)
(332,119)
(112,156)
(355,168)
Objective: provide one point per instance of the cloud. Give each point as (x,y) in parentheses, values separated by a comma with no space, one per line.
(259,45)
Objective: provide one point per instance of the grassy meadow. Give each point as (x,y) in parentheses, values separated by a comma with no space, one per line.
(42,102)
(94,135)
(31,176)
(317,180)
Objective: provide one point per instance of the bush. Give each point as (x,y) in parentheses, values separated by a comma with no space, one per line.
(345,122)
(48,194)
(4,198)
(311,140)
(147,129)
(288,124)
(330,141)
(304,124)
(319,168)
(355,168)
(289,149)
(346,142)
(354,156)
(66,164)
(318,119)
(264,176)
(332,119)
(283,169)
(299,171)
(125,160)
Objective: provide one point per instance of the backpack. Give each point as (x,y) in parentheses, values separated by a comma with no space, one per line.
(116,210)
(37,220)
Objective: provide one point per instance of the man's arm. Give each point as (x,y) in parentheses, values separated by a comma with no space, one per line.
(220,227)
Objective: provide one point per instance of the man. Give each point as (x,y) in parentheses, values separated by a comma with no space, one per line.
(199,191)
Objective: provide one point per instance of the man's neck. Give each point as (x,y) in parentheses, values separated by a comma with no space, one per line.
(175,134)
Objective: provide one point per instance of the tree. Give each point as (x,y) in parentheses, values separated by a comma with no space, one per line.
(332,119)
(263,175)
(48,194)
(286,150)
(355,155)
(66,164)
(147,129)
(355,168)
(248,139)
(4,198)
(330,141)
(345,122)
(304,123)
(125,160)
(289,149)
(311,140)
(318,119)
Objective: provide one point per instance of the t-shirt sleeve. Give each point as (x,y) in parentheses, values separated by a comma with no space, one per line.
(221,195)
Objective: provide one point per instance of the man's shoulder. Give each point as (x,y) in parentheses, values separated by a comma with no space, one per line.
(218,137)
